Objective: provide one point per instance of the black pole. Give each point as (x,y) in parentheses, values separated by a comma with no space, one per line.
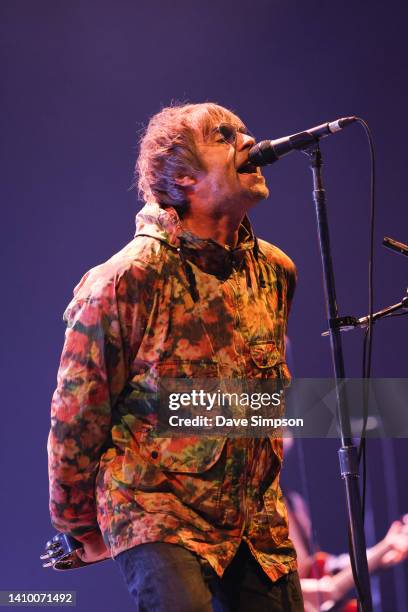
(347,452)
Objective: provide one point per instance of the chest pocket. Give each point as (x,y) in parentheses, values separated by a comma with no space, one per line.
(267,362)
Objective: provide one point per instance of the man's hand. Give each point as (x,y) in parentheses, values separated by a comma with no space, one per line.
(94,549)
(396,542)
(317,591)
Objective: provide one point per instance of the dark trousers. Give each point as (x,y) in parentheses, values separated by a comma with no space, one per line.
(168,578)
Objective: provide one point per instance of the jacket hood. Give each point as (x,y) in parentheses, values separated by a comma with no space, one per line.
(161,223)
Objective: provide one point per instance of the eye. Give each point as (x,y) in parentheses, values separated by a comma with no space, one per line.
(227,132)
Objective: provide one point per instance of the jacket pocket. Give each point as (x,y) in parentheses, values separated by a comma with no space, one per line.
(193,454)
(185,480)
(264,354)
(269,365)
(267,362)
(189,454)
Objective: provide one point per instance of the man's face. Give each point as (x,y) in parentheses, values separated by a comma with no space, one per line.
(227,180)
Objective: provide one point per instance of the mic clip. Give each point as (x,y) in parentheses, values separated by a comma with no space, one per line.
(343,323)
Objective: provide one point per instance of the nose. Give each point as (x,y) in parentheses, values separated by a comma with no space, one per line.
(244,141)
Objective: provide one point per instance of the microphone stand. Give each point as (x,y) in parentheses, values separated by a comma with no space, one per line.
(348,452)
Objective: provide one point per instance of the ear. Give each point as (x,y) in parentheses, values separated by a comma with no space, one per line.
(185,181)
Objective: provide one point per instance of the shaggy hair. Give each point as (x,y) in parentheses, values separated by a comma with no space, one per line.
(168,149)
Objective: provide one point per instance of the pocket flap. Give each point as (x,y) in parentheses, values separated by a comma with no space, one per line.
(200,368)
(193,454)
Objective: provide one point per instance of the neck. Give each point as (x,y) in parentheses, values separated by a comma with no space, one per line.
(221,228)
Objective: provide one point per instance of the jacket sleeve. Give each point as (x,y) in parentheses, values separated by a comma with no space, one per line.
(93,371)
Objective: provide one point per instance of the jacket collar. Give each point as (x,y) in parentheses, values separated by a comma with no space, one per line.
(164,224)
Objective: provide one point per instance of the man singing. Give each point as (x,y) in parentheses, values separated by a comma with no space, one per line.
(195,524)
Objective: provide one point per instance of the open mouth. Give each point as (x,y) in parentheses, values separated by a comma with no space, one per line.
(247,168)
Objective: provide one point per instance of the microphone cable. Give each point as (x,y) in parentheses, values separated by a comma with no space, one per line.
(368,336)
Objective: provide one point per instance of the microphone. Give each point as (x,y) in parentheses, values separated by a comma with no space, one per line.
(270,151)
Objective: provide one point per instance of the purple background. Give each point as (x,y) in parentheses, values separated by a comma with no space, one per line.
(79,81)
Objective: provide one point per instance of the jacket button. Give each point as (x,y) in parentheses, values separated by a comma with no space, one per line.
(154,454)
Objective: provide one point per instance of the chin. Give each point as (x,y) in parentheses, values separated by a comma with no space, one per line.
(260,192)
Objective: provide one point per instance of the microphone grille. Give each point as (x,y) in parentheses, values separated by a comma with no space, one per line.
(262,153)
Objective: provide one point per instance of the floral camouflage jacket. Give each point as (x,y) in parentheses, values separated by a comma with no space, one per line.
(170,304)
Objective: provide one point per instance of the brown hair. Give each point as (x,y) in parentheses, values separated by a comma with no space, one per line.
(168,149)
